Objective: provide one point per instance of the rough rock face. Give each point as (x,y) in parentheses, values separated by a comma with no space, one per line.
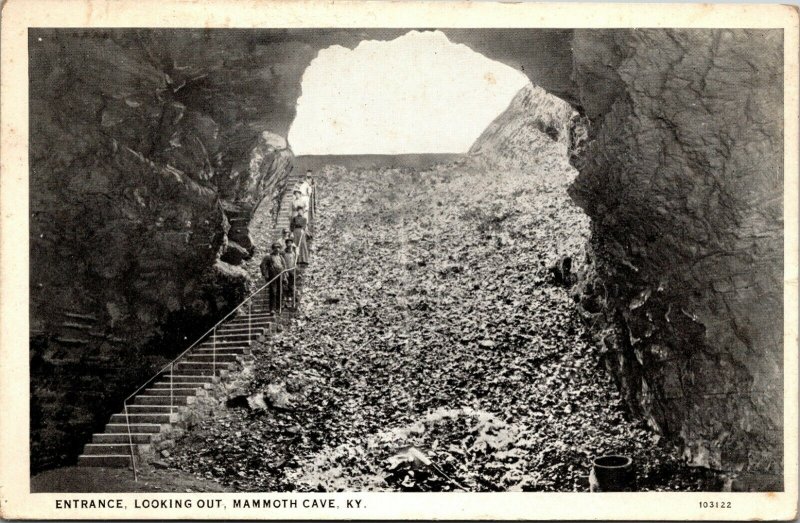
(682,177)
(144,175)
(525,133)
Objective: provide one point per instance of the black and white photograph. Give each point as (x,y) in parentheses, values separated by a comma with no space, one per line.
(417,259)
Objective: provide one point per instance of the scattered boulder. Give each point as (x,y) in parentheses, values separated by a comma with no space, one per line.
(234,253)
(275,396)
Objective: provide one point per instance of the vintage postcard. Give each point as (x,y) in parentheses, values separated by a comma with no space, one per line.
(398,260)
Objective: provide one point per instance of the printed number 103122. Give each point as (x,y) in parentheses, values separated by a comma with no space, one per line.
(715,504)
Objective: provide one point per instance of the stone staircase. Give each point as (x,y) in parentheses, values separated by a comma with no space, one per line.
(160,406)
(155,410)
(285,212)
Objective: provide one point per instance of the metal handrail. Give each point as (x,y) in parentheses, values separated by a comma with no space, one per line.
(212,331)
(171,366)
(203,336)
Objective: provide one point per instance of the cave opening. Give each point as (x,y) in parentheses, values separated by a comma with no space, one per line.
(419,93)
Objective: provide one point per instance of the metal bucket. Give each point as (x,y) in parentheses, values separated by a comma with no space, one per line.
(612,473)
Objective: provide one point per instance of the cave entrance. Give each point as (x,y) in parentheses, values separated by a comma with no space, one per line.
(419,93)
(439,293)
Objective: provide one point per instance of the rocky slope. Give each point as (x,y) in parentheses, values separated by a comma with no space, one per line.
(429,318)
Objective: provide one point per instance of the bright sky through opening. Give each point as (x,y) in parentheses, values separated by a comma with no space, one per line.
(419,93)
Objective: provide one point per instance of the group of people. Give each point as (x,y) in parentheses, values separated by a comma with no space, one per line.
(292,250)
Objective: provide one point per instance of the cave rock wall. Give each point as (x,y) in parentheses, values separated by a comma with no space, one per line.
(682,177)
(147,160)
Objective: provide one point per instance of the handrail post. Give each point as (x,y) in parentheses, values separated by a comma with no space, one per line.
(214,352)
(171,393)
(280,294)
(130,442)
(249,320)
(294,285)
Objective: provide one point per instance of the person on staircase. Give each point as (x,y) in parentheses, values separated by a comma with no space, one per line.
(307,190)
(290,262)
(271,267)
(300,202)
(300,235)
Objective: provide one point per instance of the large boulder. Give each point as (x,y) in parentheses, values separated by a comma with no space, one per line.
(535,127)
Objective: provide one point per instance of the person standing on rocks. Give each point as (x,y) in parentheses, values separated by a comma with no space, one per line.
(290,261)
(298,226)
(271,268)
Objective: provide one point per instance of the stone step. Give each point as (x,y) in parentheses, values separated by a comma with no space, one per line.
(166,384)
(152,391)
(260,323)
(113,460)
(223,345)
(122,438)
(256,301)
(236,336)
(255,332)
(217,356)
(227,350)
(243,324)
(153,417)
(163,400)
(152,409)
(261,308)
(230,337)
(193,370)
(186,378)
(227,330)
(260,312)
(259,316)
(210,349)
(189,366)
(114,449)
(259,304)
(138,428)
(219,349)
